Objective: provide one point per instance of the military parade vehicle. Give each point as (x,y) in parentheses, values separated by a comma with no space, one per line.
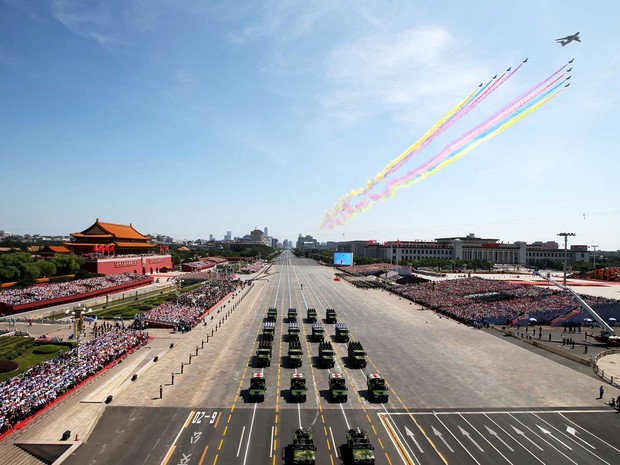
(263,354)
(318,332)
(257,387)
(377,389)
(359,448)
(326,354)
(357,355)
(302,451)
(337,387)
(298,387)
(292,314)
(330,316)
(272,314)
(294,354)
(293,331)
(342,332)
(312,315)
(269,329)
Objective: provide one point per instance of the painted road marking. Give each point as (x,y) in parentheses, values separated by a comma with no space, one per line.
(173,446)
(241,440)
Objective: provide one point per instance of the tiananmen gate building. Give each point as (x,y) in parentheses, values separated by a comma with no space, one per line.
(111,248)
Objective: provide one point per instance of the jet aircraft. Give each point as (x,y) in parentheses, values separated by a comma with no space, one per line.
(569,70)
(568,39)
(571,60)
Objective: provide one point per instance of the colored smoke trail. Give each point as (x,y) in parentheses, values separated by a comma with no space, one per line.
(520,107)
(454,115)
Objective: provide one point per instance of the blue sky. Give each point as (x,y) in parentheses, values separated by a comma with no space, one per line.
(191,118)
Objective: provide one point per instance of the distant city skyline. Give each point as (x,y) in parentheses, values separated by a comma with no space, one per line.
(195,118)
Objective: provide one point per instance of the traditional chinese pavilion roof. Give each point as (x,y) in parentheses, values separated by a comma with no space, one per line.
(101,230)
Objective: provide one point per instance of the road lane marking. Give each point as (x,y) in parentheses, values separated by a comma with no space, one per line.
(430,441)
(543,439)
(173,446)
(591,434)
(456,439)
(247,448)
(241,440)
(514,439)
(217,420)
(204,453)
(333,442)
(404,455)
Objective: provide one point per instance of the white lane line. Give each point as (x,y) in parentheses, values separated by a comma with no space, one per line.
(590,433)
(247,447)
(489,442)
(271,444)
(456,439)
(515,440)
(345,416)
(334,442)
(543,439)
(241,439)
(172,446)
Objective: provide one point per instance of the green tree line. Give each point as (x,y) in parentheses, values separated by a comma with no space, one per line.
(24,268)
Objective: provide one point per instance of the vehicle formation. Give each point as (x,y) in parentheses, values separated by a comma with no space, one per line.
(338,388)
(302,450)
(256,392)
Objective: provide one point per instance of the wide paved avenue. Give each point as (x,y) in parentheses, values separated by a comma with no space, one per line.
(457,395)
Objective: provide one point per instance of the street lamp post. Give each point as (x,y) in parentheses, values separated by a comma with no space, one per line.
(594,266)
(78,323)
(565,236)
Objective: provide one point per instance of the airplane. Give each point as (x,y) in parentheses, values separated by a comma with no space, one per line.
(572,60)
(567,85)
(509,69)
(494,76)
(481,84)
(568,78)
(525,61)
(568,39)
(569,70)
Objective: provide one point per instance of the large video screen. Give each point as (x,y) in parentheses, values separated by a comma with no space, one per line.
(342,259)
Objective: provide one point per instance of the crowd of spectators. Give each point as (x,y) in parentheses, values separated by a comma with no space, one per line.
(187,310)
(475,299)
(25,394)
(373,268)
(253,267)
(44,292)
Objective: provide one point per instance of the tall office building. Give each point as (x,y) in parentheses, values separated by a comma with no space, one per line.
(266,231)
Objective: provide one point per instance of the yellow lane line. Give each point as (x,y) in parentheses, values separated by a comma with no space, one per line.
(189,418)
(168,455)
(202,457)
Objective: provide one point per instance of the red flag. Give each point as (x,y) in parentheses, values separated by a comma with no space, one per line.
(398,242)
(167,248)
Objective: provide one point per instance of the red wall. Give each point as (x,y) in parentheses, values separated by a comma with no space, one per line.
(129,264)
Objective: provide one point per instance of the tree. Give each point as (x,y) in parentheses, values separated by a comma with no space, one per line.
(67,264)
(46,268)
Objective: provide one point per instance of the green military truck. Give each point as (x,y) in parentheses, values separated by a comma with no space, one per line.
(298,390)
(377,389)
(326,354)
(293,331)
(292,314)
(330,316)
(294,354)
(359,448)
(302,451)
(342,332)
(338,387)
(257,388)
(318,332)
(263,354)
(357,355)
(311,315)
(272,314)
(269,329)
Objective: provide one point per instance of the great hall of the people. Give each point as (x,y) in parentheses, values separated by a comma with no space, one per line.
(469,247)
